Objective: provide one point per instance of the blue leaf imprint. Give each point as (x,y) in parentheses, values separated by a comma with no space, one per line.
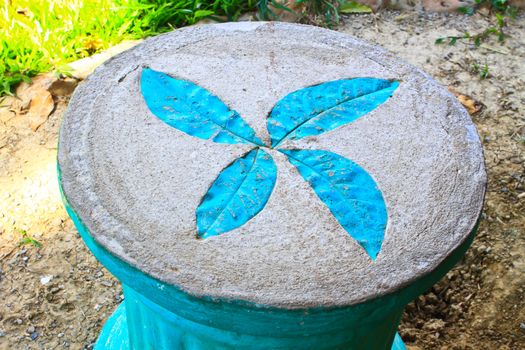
(194,110)
(324,107)
(348,191)
(243,188)
(238,194)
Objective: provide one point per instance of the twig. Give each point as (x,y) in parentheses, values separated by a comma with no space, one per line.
(490,48)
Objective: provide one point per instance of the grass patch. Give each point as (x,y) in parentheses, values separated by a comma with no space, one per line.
(326,13)
(27,239)
(44,35)
(503,12)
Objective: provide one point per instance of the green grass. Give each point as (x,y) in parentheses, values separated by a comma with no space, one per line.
(27,239)
(503,12)
(324,13)
(44,35)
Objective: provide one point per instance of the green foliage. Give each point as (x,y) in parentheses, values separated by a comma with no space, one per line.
(481,70)
(43,35)
(26,239)
(319,12)
(354,7)
(501,6)
(327,10)
(503,12)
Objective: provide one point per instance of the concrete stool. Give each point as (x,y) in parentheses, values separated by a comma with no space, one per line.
(267,186)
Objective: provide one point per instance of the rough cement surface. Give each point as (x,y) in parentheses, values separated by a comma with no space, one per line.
(136,182)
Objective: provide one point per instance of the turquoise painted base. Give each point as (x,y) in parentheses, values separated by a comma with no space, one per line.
(160,316)
(140,323)
(115,336)
(398,343)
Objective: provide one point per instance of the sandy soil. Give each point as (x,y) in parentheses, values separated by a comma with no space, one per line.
(58,296)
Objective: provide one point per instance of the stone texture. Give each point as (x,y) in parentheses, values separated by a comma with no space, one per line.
(136,182)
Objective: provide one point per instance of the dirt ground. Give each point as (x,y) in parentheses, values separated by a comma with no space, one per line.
(58,296)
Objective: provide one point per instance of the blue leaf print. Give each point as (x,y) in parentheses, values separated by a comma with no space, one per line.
(317,109)
(348,191)
(194,110)
(238,194)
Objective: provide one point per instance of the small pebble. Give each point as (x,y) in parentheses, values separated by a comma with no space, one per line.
(30,329)
(522,326)
(56,222)
(107,283)
(34,335)
(46,279)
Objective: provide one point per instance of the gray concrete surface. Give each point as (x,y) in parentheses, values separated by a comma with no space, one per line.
(136,182)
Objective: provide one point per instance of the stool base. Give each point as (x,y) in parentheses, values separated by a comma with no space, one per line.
(114,334)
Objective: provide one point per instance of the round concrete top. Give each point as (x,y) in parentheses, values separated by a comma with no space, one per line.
(139,180)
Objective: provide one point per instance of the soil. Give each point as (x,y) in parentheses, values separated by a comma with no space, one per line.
(58,296)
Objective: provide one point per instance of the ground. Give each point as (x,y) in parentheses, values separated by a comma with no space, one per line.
(58,296)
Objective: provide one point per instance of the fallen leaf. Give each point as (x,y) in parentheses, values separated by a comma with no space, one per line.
(40,108)
(354,7)
(25,92)
(63,87)
(473,106)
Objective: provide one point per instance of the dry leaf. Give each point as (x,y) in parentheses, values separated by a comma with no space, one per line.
(473,106)
(63,87)
(40,108)
(26,91)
